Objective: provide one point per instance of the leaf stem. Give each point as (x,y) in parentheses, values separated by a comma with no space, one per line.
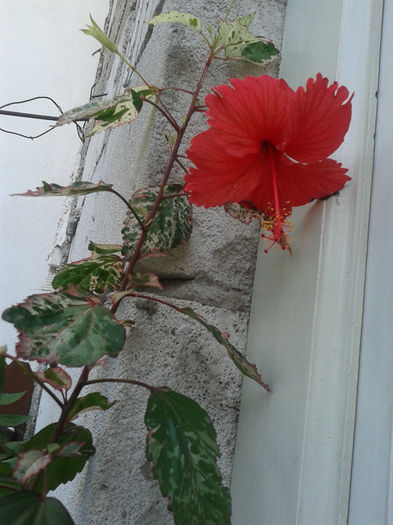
(132,68)
(135,256)
(174,88)
(229,10)
(169,117)
(115,380)
(128,206)
(32,374)
(181,164)
(67,407)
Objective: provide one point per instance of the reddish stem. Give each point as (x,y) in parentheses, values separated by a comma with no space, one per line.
(172,159)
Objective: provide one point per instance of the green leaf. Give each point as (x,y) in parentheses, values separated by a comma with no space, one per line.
(104,249)
(240,44)
(248,369)
(182,446)
(56,377)
(67,328)
(260,52)
(29,464)
(68,458)
(124,111)
(77,188)
(11,420)
(246,20)
(234,36)
(139,281)
(7,484)
(176,16)
(30,508)
(109,113)
(171,226)
(8,399)
(93,401)
(96,32)
(98,273)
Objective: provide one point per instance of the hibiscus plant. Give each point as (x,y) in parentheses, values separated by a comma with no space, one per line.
(265,151)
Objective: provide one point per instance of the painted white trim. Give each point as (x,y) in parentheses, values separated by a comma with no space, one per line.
(294,450)
(372,471)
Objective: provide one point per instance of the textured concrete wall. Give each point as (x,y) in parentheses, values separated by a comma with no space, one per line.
(213,273)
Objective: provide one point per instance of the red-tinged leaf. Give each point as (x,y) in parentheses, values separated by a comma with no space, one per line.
(70,449)
(56,377)
(93,401)
(30,508)
(98,273)
(68,328)
(150,280)
(248,369)
(245,214)
(181,443)
(68,455)
(7,484)
(171,226)
(54,190)
(29,464)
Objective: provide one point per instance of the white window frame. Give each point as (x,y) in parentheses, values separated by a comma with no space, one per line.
(294,448)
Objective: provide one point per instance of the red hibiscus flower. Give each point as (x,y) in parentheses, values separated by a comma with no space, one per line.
(267,146)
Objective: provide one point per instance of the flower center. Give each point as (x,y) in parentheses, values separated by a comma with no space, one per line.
(277,230)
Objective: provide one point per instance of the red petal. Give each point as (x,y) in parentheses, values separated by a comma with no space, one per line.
(220,177)
(320,118)
(299,184)
(255,109)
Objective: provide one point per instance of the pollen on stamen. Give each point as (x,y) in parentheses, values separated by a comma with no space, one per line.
(271,236)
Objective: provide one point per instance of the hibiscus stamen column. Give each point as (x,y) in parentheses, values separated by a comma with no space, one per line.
(277,229)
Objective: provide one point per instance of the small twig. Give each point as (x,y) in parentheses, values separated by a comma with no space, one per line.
(169,118)
(176,89)
(128,206)
(115,380)
(173,196)
(26,136)
(30,99)
(32,374)
(36,116)
(181,164)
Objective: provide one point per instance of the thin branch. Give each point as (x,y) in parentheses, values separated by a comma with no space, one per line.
(181,165)
(128,206)
(169,118)
(26,136)
(135,256)
(84,376)
(173,196)
(132,68)
(115,380)
(229,10)
(30,99)
(173,88)
(32,374)
(150,298)
(36,116)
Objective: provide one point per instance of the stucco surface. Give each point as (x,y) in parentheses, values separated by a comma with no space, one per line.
(213,273)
